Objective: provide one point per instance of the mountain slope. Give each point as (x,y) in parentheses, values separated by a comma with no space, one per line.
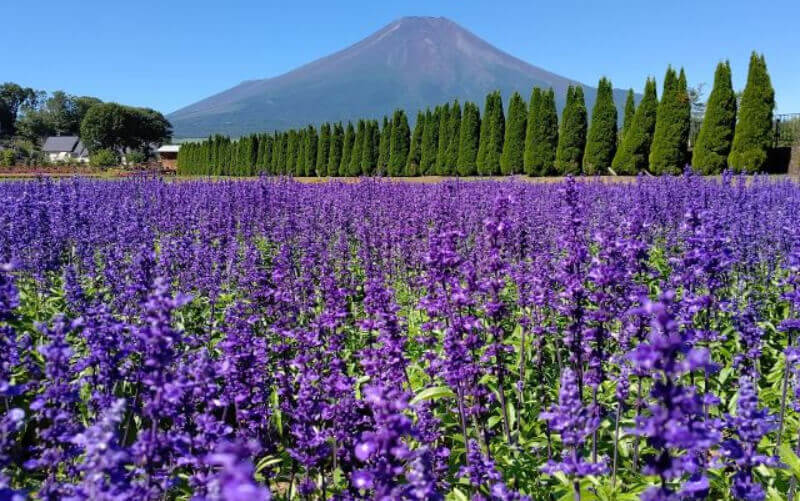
(412,63)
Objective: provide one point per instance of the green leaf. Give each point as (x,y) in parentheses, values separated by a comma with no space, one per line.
(435,393)
(457,495)
(790,459)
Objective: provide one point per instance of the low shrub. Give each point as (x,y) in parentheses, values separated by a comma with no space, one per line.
(104,158)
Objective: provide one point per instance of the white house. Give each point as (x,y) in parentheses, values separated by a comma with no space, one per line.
(65,149)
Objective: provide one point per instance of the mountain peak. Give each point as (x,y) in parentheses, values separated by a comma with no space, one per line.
(411,63)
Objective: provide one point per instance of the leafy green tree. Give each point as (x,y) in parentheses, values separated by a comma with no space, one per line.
(347,149)
(753,130)
(601,142)
(323,149)
(117,127)
(399,145)
(713,145)
(444,141)
(354,168)
(669,151)
(512,159)
(430,141)
(630,110)
(572,135)
(415,153)
(468,139)
(494,118)
(545,138)
(534,110)
(291,152)
(485,134)
(311,142)
(455,137)
(634,152)
(13,98)
(383,147)
(335,157)
(369,155)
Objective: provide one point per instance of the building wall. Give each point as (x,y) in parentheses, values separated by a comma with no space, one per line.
(168,160)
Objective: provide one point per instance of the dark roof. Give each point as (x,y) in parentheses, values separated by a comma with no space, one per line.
(59,144)
(80,149)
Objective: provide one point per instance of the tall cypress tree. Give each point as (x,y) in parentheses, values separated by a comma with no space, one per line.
(485,134)
(291,152)
(634,152)
(545,139)
(268,150)
(300,164)
(354,167)
(369,151)
(534,110)
(312,140)
(512,159)
(399,145)
(415,153)
(630,110)
(430,139)
(753,130)
(323,149)
(710,152)
(671,138)
(601,142)
(335,155)
(572,135)
(347,149)
(383,147)
(468,138)
(496,131)
(451,154)
(443,140)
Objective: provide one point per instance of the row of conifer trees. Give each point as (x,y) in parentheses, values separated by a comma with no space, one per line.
(452,140)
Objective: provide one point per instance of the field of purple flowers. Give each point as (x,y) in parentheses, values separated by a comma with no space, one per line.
(254,340)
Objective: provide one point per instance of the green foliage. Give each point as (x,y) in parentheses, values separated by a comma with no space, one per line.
(601,141)
(572,135)
(668,153)
(104,158)
(430,141)
(323,149)
(544,141)
(116,127)
(354,167)
(311,142)
(13,98)
(7,158)
(369,151)
(468,140)
(753,128)
(347,149)
(443,141)
(493,125)
(415,153)
(710,152)
(534,108)
(383,146)
(399,146)
(335,157)
(512,159)
(633,154)
(451,154)
(630,110)
(135,157)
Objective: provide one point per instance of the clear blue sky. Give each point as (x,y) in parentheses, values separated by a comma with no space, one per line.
(167,54)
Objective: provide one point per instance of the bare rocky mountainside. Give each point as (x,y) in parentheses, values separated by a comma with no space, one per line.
(412,63)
